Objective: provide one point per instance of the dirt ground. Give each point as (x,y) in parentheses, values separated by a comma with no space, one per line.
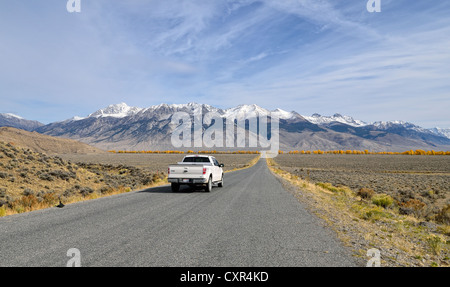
(32,180)
(155,162)
(423,178)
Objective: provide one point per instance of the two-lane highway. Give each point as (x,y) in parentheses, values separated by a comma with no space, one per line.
(251,221)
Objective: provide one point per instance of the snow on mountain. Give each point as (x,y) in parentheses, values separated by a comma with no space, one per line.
(123,110)
(137,128)
(74,119)
(322,120)
(282,114)
(11,116)
(441,132)
(77,118)
(15,121)
(117,111)
(381,125)
(243,111)
(164,111)
(392,124)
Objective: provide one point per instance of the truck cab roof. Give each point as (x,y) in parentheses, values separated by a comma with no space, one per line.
(197,158)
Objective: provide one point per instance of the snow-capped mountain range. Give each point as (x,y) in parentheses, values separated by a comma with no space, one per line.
(12,120)
(118,111)
(122,110)
(120,126)
(441,132)
(321,120)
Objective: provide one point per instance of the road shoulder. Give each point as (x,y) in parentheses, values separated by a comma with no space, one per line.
(363,226)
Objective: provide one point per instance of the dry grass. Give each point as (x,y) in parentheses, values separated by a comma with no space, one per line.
(32,180)
(251,163)
(44,143)
(157,162)
(419,185)
(362,224)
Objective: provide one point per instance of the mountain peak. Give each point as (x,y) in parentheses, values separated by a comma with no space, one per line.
(152,127)
(285,115)
(249,107)
(12,116)
(120,110)
(12,120)
(441,132)
(393,124)
(321,120)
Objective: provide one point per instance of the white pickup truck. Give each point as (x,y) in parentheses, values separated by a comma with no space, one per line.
(196,170)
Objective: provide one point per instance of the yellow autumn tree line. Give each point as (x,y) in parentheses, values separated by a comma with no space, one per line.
(409,152)
(147,151)
(184,152)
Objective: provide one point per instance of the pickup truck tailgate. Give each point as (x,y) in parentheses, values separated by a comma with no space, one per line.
(186,170)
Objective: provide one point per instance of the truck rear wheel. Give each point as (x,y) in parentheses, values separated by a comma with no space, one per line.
(208,186)
(221,182)
(175,187)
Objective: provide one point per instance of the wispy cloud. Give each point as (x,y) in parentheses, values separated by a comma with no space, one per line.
(305,55)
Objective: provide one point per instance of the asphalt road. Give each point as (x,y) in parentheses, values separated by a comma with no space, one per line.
(251,221)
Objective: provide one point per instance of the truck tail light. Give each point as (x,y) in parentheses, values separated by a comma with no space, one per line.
(204,170)
(168,171)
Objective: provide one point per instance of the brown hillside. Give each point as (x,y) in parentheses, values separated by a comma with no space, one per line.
(30,180)
(46,144)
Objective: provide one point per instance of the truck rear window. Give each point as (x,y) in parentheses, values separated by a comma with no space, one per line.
(196,159)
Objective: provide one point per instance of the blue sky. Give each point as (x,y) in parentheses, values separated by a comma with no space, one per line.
(311,56)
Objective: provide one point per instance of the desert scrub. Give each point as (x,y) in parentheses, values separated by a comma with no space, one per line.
(374,214)
(404,240)
(27,191)
(55,174)
(365,193)
(424,178)
(328,186)
(444,229)
(436,243)
(48,198)
(85,191)
(24,203)
(444,215)
(382,200)
(31,180)
(368,211)
(412,206)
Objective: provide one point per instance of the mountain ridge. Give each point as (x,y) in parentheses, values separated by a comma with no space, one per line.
(43,143)
(15,121)
(120,126)
(315,118)
(123,110)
